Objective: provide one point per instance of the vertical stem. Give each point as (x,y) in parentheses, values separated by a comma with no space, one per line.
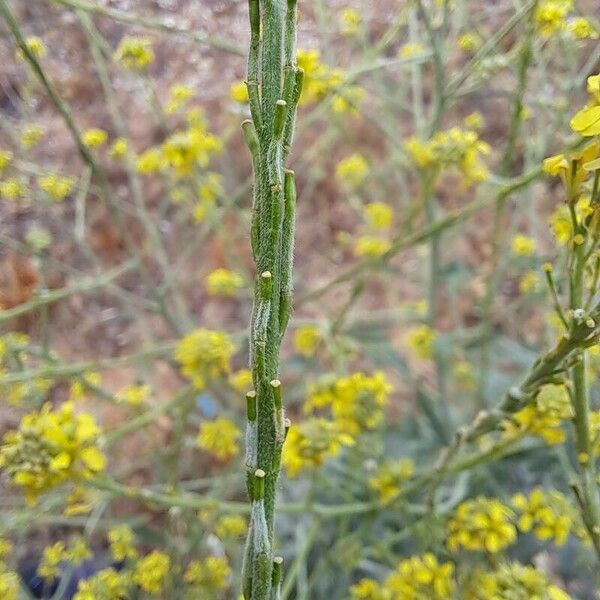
(274,86)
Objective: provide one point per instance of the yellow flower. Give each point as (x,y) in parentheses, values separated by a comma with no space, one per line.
(368,589)
(352,170)
(561,225)
(119,148)
(10,585)
(379,215)
(186,150)
(219,438)
(105,584)
(211,188)
(468,42)
(371,247)
(544,417)
(587,121)
(238,92)
(523,245)
(51,447)
(550,15)
(463,373)
(319,79)
(241,380)
(306,340)
(151,572)
(473,121)
(204,354)
(410,50)
(94,137)
(582,29)
(230,526)
(390,477)
(134,395)
(134,53)
(57,187)
(150,161)
(35,46)
(512,581)
(178,95)
(5,157)
(421,341)
(12,189)
(31,135)
(347,99)
(52,557)
(210,574)
(528,282)
(422,577)
(80,386)
(356,401)
(556,165)
(548,514)
(422,153)
(351,21)
(309,444)
(481,524)
(122,543)
(223,282)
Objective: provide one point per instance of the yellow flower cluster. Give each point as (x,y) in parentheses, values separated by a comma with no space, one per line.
(56,186)
(311,443)
(204,354)
(352,171)
(241,380)
(456,147)
(369,246)
(481,524)
(134,53)
(134,395)
(10,583)
(210,574)
(178,95)
(6,157)
(351,21)
(544,417)
(12,189)
(94,137)
(186,150)
(152,571)
(379,215)
(238,92)
(223,282)
(356,402)
(390,476)
(219,438)
(547,514)
(57,554)
(122,543)
(51,447)
(416,578)
(35,46)
(306,340)
(105,584)
(551,15)
(523,245)
(321,81)
(31,135)
(421,341)
(230,526)
(512,581)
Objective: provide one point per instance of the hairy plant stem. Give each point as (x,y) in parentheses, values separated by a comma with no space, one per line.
(274,85)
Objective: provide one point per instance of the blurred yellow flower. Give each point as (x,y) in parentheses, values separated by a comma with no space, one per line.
(371,247)
(204,354)
(306,339)
(94,137)
(351,21)
(151,572)
(241,380)
(352,170)
(31,135)
(219,438)
(421,340)
(223,282)
(379,215)
(134,53)
(522,245)
(56,186)
(238,92)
